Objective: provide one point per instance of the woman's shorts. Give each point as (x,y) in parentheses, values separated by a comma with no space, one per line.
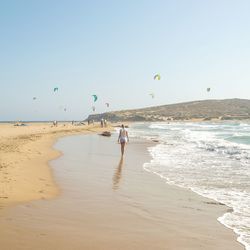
(123,140)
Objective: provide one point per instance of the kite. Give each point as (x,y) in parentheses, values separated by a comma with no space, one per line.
(65,109)
(208,89)
(157,77)
(152,95)
(34,98)
(95,98)
(55,89)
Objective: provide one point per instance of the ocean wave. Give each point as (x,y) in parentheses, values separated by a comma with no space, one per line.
(201,158)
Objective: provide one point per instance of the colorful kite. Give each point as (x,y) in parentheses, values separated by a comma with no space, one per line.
(152,95)
(95,98)
(157,77)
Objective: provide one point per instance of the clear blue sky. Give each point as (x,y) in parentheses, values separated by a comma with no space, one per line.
(113,49)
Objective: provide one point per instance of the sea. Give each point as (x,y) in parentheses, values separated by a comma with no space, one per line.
(210,158)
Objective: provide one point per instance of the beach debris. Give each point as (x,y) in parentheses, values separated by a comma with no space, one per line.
(214,203)
(152,95)
(157,77)
(154,140)
(106,133)
(107,104)
(55,89)
(208,89)
(95,97)
(20,124)
(207,119)
(79,124)
(119,126)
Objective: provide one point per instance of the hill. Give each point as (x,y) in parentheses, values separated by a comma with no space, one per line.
(228,109)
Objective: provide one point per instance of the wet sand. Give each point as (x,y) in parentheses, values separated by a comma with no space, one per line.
(109,203)
(24,155)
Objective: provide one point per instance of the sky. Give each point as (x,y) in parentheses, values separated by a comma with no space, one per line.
(113,49)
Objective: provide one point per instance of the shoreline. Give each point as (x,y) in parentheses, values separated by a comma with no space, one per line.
(226,218)
(25,155)
(210,201)
(119,207)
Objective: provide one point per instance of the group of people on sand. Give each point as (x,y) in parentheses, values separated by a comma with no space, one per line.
(103,123)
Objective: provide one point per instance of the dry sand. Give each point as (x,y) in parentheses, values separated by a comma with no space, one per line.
(24,155)
(107,203)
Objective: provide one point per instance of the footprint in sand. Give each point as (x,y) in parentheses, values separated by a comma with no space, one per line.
(43,234)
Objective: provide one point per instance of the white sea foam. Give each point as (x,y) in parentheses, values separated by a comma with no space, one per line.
(202,157)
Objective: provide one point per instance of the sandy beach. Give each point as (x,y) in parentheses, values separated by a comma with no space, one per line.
(104,203)
(167,80)
(24,155)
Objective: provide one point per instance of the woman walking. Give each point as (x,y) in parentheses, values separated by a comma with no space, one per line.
(123,138)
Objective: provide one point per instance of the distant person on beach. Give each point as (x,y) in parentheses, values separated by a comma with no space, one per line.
(123,138)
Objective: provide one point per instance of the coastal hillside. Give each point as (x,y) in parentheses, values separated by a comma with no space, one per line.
(228,109)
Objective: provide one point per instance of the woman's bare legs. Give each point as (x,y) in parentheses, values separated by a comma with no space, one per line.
(122,148)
